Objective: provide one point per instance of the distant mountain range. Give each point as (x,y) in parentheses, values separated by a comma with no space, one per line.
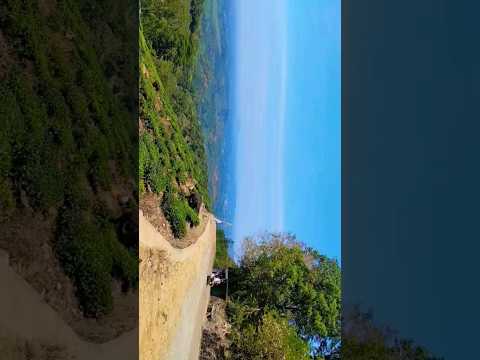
(211,82)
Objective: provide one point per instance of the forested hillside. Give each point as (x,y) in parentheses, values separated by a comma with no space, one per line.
(172,155)
(68,149)
(211,87)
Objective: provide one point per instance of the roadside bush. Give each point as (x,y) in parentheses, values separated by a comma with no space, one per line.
(191,215)
(272,339)
(178,213)
(175,213)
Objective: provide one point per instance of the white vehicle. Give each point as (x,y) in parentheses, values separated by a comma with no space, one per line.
(215,279)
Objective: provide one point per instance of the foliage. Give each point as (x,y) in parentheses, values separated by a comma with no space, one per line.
(171,153)
(91,255)
(222,259)
(298,282)
(273,339)
(277,273)
(178,213)
(67,133)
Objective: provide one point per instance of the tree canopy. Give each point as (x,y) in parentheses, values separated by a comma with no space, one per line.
(278,275)
(272,338)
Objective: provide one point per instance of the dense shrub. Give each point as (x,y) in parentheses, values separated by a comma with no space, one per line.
(178,213)
(272,339)
(65,135)
(91,255)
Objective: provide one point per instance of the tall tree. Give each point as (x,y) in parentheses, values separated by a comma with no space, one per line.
(278,273)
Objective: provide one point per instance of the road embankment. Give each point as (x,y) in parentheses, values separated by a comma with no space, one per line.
(173,292)
(173,301)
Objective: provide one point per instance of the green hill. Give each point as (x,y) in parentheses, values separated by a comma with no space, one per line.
(68,141)
(172,154)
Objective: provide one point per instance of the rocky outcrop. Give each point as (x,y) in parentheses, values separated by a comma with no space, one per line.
(215,342)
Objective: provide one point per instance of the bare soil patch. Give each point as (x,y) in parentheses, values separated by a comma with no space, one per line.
(215,343)
(173,292)
(150,205)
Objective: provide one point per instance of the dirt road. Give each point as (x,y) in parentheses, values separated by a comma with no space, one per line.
(173,292)
(173,301)
(25,316)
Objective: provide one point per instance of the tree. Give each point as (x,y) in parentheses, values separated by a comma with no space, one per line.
(278,273)
(273,339)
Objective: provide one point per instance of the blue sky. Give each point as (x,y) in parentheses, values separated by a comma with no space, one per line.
(286,116)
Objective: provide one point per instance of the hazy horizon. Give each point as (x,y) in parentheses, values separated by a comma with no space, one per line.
(286,121)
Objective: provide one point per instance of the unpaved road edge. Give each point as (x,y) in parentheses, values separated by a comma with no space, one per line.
(173,292)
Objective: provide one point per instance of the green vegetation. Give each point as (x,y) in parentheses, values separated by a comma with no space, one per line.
(178,212)
(172,154)
(285,298)
(222,259)
(285,304)
(272,338)
(67,133)
(92,252)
